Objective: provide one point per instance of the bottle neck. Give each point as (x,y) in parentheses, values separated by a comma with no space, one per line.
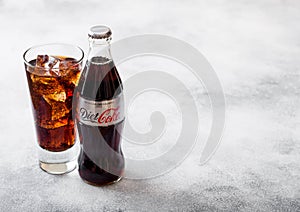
(99,48)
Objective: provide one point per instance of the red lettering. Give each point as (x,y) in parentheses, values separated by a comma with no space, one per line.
(109,115)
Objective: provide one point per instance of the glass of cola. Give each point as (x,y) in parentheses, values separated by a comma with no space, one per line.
(53,71)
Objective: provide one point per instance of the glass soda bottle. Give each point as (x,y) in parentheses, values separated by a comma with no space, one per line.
(100,113)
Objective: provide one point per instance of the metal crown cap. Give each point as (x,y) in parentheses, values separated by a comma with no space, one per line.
(99,32)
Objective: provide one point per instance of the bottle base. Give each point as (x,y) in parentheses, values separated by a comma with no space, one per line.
(103,184)
(58,168)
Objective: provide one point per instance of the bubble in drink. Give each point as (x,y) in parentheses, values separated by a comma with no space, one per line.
(51,83)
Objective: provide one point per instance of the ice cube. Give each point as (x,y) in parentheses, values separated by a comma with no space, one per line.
(41,60)
(47,61)
(44,85)
(59,97)
(52,114)
(68,66)
(46,65)
(49,124)
(70,71)
(73,77)
(58,108)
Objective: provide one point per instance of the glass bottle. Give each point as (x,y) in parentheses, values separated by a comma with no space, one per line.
(100,113)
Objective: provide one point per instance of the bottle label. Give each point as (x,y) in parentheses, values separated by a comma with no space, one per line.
(101,113)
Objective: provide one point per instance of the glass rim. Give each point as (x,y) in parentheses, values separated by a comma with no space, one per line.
(52,44)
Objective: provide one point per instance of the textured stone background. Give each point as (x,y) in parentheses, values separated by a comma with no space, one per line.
(254,46)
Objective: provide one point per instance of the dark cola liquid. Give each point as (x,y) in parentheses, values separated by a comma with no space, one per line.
(100,81)
(51,94)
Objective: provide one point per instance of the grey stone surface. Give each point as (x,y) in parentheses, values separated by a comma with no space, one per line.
(254,46)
